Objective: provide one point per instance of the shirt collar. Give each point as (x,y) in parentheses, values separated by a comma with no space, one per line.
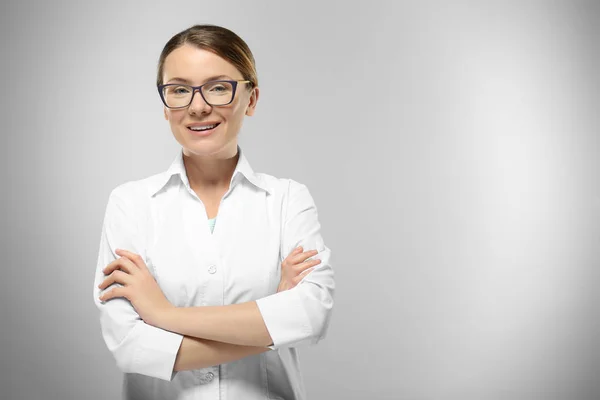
(177,168)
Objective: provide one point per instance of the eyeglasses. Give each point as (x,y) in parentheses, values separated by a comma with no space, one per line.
(214,93)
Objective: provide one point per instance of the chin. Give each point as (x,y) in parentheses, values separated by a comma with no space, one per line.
(204,149)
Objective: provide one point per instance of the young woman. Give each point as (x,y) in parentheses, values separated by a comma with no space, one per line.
(210,275)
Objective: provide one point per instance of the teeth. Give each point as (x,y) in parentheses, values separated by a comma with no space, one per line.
(202,128)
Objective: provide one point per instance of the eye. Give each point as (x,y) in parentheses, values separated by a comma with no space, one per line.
(218,88)
(180,90)
(177,90)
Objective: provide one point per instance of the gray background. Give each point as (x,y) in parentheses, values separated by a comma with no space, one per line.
(452,151)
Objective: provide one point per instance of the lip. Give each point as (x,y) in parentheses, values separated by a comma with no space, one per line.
(202,133)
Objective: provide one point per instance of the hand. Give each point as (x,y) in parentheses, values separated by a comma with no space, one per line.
(295,267)
(139,287)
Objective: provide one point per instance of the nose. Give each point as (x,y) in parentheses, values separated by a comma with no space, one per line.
(198,105)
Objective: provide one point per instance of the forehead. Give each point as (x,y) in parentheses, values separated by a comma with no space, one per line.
(196,65)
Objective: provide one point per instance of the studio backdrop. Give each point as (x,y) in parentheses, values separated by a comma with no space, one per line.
(452,150)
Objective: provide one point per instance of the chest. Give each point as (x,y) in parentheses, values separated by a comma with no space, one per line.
(211,202)
(238,262)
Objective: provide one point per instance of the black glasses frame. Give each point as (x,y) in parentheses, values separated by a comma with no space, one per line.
(199,90)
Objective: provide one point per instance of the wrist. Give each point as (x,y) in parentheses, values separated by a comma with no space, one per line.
(165,317)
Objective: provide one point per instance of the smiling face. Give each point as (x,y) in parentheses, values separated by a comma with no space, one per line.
(194,66)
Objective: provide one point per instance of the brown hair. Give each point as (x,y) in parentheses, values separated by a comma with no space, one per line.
(220,41)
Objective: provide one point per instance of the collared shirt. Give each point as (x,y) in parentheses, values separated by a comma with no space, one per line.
(261,219)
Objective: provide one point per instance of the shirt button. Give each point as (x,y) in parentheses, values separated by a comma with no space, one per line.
(209,377)
(212,269)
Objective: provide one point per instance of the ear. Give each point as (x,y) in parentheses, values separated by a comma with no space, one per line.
(252,102)
(165,113)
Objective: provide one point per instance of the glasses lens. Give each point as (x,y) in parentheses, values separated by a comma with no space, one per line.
(218,92)
(177,95)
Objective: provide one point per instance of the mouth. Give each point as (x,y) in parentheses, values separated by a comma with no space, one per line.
(204,129)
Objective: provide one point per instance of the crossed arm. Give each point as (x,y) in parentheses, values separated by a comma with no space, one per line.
(211,334)
(148,335)
(196,353)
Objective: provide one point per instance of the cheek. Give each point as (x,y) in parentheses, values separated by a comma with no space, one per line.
(237,114)
(174,117)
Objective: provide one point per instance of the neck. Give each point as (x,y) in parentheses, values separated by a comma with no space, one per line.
(210,171)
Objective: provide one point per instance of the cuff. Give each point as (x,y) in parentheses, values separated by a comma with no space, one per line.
(156,352)
(285,318)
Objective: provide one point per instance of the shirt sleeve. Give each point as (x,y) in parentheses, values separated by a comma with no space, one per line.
(136,346)
(301,315)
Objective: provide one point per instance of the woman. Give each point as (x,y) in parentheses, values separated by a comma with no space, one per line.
(210,275)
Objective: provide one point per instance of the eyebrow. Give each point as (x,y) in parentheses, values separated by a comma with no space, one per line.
(212,78)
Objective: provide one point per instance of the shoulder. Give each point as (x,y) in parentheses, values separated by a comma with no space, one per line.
(136,193)
(293,196)
(284,187)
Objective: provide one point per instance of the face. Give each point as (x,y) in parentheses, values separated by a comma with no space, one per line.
(194,66)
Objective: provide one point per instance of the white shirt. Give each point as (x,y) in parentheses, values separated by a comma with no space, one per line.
(261,219)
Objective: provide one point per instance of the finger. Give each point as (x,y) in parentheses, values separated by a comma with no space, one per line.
(134,257)
(288,261)
(306,272)
(301,276)
(300,257)
(294,252)
(303,256)
(307,264)
(113,293)
(117,276)
(122,263)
